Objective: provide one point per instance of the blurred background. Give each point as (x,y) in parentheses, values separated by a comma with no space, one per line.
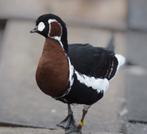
(24,108)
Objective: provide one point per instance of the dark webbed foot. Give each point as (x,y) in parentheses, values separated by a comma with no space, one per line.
(73,131)
(69,123)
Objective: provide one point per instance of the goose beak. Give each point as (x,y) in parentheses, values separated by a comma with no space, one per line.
(35,30)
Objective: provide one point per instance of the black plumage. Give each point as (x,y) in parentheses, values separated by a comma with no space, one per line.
(93,61)
(81,94)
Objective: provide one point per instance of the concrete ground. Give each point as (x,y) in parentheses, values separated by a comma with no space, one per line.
(25,109)
(17,130)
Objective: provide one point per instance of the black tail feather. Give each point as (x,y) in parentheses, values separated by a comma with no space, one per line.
(110,45)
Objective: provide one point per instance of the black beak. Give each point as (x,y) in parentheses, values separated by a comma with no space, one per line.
(35,30)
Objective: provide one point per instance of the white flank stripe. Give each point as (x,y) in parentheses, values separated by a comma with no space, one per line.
(94,83)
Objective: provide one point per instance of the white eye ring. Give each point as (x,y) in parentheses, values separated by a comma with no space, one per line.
(41,26)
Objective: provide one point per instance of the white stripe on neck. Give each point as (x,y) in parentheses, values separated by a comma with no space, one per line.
(58,38)
(52,20)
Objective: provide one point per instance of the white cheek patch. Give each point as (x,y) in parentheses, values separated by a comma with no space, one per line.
(41,26)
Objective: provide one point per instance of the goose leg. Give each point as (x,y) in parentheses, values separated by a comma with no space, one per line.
(85,110)
(69,122)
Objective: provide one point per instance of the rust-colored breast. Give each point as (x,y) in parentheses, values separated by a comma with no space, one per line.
(52,71)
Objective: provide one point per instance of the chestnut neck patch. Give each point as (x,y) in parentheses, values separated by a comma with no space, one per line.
(55,29)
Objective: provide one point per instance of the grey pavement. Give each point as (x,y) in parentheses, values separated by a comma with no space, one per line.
(137,17)
(17,130)
(136,128)
(136,88)
(136,85)
(122,110)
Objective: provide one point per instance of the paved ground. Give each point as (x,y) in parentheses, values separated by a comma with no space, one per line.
(136,86)
(17,130)
(122,110)
(136,16)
